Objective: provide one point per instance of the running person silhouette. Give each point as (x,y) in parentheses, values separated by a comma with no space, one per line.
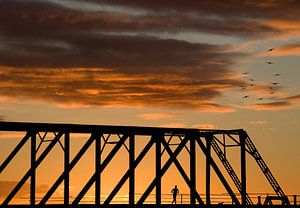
(175,191)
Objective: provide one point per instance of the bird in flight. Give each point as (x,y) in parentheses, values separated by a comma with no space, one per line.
(270,62)
(243,87)
(251,79)
(245,73)
(276,75)
(274,83)
(246,96)
(271,49)
(260,98)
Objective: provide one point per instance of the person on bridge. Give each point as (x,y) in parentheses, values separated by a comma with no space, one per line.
(175,191)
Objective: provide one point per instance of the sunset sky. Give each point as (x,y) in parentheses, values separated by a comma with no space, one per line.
(193,64)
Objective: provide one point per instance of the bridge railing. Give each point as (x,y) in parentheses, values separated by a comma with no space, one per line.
(183,198)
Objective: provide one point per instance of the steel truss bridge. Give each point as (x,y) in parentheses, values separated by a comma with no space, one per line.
(161,140)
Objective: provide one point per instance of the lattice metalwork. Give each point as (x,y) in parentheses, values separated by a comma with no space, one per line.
(158,139)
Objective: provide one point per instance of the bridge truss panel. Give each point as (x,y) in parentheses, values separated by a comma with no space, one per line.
(99,137)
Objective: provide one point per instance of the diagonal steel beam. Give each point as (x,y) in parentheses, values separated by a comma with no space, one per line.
(100,169)
(218,172)
(71,166)
(14,152)
(163,170)
(182,172)
(29,172)
(126,175)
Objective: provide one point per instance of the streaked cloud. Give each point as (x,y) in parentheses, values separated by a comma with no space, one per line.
(45,18)
(289,28)
(205,126)
(294,98)
(126,53)
(245,18)
(272,106)
(174,125)
(259,122)
(281,103)
(168,84)
(289,49)
(155,116)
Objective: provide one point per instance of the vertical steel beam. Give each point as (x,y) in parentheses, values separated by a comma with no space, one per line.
(33,169)
(243,137)
(67,169)
(97,163)
(158,168)
(131,168)
(208,138)
(219,173)
(192,169)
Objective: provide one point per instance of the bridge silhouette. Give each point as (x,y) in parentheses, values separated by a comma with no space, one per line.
(161,140)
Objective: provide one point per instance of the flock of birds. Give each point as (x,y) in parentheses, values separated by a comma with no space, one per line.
(273,85)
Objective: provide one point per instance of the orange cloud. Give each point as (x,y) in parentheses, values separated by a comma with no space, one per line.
(294,98)
(126,58)
(83,87)
(174,125)
(288,50)
(282,103)
(216,108)
(287,27)
(155,116)
(205,126)
(259,122)
(273,106)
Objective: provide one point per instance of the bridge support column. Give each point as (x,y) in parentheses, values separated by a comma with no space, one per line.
(97,163)
(243,138)
(33,169)
(192,170)
(67,169)
(208,138)
(131,167)
(158,168)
